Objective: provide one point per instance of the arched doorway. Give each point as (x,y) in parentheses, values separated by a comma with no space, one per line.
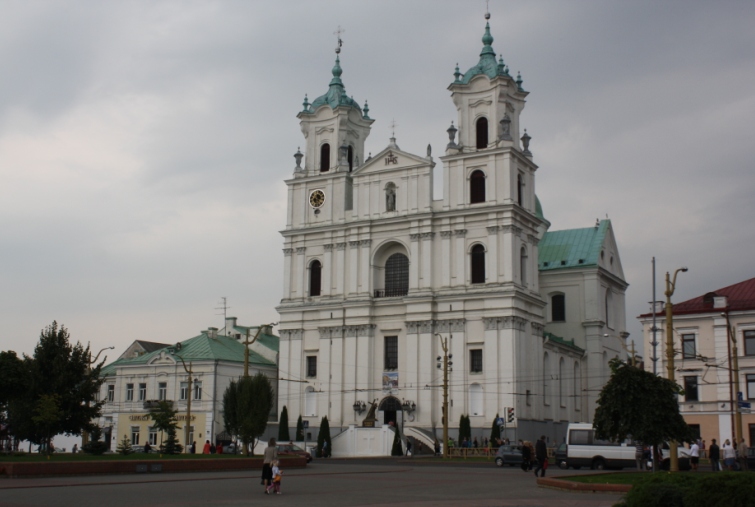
(390,406)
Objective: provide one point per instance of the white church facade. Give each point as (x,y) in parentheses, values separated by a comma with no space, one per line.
(376,271)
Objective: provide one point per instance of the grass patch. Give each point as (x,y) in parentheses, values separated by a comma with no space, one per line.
(617,478)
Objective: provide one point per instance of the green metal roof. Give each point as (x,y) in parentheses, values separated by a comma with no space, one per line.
(568,343)
(199,348)
(487,64)
(336,95)
(572,248)
(270,341)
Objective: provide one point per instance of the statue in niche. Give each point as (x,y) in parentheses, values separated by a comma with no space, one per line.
(369,421)
(390,197)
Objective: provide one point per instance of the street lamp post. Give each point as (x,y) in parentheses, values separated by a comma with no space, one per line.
(670,288)
(446,366)
(187,425)
(247,343)
(85,434)
(734,374)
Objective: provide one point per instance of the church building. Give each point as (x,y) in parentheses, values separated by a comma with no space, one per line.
(377,272)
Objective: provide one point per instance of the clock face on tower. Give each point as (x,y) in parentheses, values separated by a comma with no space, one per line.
(317,198)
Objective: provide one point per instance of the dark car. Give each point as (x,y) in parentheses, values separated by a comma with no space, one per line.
(560,456)
(293,450)
(508,455)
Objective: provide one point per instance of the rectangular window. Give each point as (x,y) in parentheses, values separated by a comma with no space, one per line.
(152,436)
(110,393)
(688,346)
(129,392)
(311,366)
(690,389)
(475,361)
(183,393)
(134,435)
(558,308)
(750,387)
(142,392)
(749,339)
(695,429)
(197,390)
(162,391)
(391,352)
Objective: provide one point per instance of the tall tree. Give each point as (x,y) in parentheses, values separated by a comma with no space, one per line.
(230,409)
(299,429)
(495,432)
(60,370)
(255,399)
(323,439)
(283,433)
(46,416)
(636,402)
(164,420)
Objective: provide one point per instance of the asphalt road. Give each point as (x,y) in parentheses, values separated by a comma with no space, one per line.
(331,483)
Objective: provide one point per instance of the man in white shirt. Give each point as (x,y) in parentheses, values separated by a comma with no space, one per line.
(694,455)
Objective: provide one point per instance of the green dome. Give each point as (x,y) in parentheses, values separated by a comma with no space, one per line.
(336,95)
(539,209)
(487,64)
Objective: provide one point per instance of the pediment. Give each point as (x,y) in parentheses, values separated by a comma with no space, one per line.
(392,159)
(162,358)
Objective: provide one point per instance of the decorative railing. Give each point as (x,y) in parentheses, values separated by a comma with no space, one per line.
(390,293)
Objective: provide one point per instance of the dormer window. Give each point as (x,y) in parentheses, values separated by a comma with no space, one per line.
(325,158)
(481,130)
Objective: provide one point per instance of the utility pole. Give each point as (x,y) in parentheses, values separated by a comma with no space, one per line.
(734,373)
(670,288)
(187,426)
(247,343)
(447,364)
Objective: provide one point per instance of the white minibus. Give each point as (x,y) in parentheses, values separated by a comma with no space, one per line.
(584,450)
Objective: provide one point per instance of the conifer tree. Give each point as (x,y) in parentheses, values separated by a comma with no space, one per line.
(495,432)
(324,451)
(283,434)
(299,429)
(124,447)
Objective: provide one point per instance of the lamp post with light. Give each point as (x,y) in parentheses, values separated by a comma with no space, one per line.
(734,375)
(670,288)
(446,365)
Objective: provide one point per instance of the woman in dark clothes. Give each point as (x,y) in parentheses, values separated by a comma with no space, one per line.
(270,455)
(526,456)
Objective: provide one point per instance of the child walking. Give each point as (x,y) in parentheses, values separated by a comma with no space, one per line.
(276,483)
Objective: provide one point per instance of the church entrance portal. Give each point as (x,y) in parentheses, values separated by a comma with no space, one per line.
(390,406)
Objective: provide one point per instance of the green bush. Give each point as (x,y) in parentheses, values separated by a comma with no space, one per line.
(724,489)
(659,490)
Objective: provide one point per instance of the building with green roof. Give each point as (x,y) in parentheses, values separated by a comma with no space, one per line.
(152,371)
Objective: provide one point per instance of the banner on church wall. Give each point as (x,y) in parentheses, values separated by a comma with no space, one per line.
(390,380)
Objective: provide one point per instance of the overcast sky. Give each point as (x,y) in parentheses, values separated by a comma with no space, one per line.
(143,145)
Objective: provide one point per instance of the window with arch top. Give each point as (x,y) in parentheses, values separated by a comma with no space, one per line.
(478,264)
(324,158)
(315,278)
(397,275)
(519,190)
(481,132)
(476,187)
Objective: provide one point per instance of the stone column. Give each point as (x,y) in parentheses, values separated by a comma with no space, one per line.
(491,258)
(414,262)
(353,266)
(460,257)
(302,271)
(427,260)
(364,266)
(287,267)
(445,260)
(340,268)
(327,270)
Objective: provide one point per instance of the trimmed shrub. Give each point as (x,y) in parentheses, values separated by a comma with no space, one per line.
(722,489)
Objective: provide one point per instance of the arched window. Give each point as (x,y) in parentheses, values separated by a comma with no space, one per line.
(519,190)
(558,308)
(350,157)
(481,129)
(310,401)
(315,278)
(561,383)
(546,379)
(523,265)
(477,187)
(397,275)
(475,399)
(577,386)
(478,264)
(324,158)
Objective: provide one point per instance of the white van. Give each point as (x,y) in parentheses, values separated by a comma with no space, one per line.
(584,450)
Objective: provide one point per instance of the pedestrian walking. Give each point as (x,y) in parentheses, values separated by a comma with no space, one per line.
(742,454)
(270,455)
(730,455)
(639,455)
(206,449)
(526,456)
(714,455)
(275,484)
(694,456)
(541,455)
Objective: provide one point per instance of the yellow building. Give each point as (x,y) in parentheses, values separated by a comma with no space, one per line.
(704,358)
(149,372)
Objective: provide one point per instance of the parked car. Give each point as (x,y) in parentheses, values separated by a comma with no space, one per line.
(560,456)
(508,455)
(293,450)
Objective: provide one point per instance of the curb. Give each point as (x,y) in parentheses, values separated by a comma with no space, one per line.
(582,486)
